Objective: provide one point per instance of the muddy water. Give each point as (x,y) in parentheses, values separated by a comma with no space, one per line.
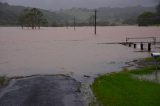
(65,51)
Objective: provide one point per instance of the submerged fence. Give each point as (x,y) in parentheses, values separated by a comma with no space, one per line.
(144,45)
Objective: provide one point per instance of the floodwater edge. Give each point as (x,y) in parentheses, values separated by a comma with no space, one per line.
(86,84)
(144,68)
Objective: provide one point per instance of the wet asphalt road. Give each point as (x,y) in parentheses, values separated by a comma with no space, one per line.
(55,90)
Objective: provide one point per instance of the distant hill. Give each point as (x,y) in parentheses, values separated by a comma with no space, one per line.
(9,15)
(106,16)
(125,15)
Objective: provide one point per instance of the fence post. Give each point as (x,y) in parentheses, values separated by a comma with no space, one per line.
(126,39)
(154,40)
(149,47)
(135,45)
(141,46)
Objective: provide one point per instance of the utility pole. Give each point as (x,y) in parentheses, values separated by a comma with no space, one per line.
(95,23)
(74,23)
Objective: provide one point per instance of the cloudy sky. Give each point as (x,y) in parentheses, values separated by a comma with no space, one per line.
(63,4)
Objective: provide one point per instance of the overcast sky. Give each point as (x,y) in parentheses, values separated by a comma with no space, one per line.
(63,4)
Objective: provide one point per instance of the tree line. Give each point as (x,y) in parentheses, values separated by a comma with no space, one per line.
(149,18)
(33,18)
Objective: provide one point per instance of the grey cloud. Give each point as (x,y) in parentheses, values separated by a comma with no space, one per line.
(58,4)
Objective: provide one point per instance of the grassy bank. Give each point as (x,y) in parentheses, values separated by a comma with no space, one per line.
(151,59)
(122,89)
(3,80)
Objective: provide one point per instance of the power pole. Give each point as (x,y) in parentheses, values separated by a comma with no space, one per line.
(74,23)
(95,23)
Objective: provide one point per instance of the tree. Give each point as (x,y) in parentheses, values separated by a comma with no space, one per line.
(22,20)
(37,17)
(157,18)
(146,18)
(44,22)
(54,24)
(158,9)
(149,18)
(32,18)
(91,20)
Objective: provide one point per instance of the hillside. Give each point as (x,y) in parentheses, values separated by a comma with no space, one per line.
(105,16)
(126,15)
(9,15)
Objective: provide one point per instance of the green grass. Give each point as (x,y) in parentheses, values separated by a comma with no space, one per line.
(121,89)
(145,70)
(151,59)
(3,79)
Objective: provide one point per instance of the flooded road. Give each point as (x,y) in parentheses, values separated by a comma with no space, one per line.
(78,54)
(65,51)
(58,90)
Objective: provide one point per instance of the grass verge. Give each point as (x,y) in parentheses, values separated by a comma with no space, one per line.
(121,89)
(151,59)
(145,70)
(3,80)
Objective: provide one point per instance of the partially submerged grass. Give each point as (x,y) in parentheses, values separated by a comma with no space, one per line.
(145,70)
(151,59)
(121,89)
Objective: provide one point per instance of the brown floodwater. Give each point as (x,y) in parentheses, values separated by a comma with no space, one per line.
(64,51)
